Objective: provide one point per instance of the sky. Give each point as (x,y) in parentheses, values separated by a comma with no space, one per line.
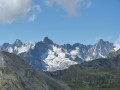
(63,21)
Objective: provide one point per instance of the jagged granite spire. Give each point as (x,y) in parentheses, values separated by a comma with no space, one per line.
(18,43)
(48,41)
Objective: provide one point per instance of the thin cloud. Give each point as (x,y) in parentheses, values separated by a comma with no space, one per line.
(37,7)
(70,6)
(32,18)
(35,10)
(88,4)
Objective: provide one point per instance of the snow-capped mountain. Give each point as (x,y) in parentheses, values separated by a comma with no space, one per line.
(17,47)
(47,55)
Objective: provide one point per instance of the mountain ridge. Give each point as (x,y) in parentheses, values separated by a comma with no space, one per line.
(47,55)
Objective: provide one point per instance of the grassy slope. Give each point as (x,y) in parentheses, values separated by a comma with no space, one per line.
(104,79)
(100,74)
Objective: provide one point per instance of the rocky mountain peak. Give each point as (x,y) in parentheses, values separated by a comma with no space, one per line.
(47,40)
(104,43)
(101,41)
(18,43)
(6,44)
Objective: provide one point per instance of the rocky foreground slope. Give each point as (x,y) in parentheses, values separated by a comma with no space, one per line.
(16,74)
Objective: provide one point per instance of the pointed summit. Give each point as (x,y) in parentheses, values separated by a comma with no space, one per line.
(101,41)
(18,43)
(47,40)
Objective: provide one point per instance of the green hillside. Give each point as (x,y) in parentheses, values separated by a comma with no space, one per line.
(100,74)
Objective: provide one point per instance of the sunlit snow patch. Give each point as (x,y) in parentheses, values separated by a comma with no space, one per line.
(25,48)
(56,60)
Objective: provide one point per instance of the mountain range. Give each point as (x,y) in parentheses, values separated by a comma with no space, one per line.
(98,74)
(49,56)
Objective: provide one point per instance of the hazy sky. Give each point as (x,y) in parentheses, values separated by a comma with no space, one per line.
(64,21)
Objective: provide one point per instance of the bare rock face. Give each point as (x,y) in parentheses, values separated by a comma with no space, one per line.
(17,74)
